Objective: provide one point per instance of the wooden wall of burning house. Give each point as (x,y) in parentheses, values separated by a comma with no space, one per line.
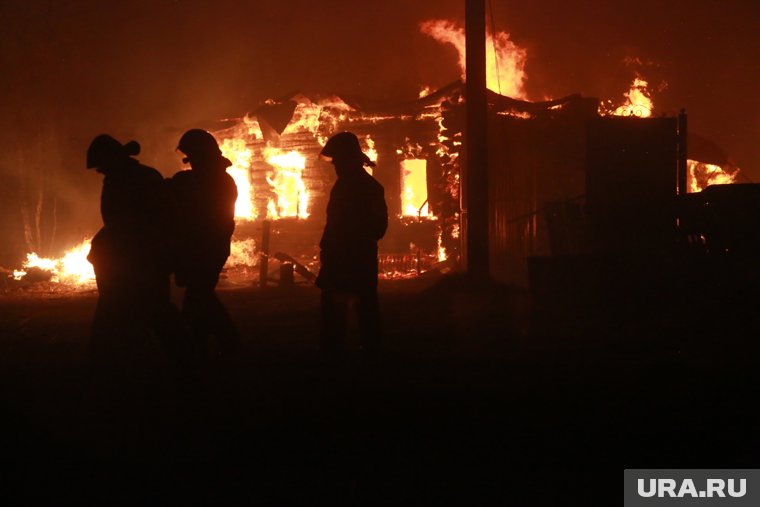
(411,242)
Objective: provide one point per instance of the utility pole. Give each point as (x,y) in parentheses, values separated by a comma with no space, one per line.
(475,199)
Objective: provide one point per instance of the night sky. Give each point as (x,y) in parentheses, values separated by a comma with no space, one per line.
(148,70)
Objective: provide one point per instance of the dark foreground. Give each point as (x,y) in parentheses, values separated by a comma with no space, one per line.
(476,400)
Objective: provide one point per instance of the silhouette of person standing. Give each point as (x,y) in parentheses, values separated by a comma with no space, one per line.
(357,217)
(130,254)
(204,199)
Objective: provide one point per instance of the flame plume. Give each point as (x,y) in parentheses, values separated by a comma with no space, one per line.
(505,60)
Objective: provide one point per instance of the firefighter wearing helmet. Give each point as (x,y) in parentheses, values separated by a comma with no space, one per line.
(130,255)
(204,208)
(357,217)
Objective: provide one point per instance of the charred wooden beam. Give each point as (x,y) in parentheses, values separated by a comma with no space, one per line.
(299,268)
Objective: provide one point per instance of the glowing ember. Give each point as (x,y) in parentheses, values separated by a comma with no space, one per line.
(414,188)
(505,61)
(240,155)
(701,175)
(638,102)
(287,183)
(71,269)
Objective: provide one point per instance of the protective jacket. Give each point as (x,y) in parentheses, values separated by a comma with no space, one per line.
(357,217)
(204,219)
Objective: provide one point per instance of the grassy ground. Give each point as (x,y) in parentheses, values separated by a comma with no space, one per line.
(479,397)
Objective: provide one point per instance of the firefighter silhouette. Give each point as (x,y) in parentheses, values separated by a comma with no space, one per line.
(357,217)
(130,255)
(204,207)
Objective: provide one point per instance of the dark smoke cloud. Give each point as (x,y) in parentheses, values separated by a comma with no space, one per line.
(147,70)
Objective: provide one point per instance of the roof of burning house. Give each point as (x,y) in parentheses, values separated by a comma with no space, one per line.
(278,112)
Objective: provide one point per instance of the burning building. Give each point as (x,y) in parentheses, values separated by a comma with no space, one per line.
(277,147)
(566,175)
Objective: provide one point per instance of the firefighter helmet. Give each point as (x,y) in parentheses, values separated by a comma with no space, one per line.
(197,143)
(345,145)
(105,150)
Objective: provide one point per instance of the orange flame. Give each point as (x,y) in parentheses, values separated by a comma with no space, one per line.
(414,188)
(638,102)
(236,149)
(701,175)
(320,118)
(505,61)
(292,199)
(370,151)
(72,268)
(242,253)
(442,255)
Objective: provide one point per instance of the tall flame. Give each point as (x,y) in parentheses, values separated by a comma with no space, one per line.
(286,181)
(505,61)
(441,253)
(240,155)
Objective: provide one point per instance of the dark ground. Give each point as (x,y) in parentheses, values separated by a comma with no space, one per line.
(479,398)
